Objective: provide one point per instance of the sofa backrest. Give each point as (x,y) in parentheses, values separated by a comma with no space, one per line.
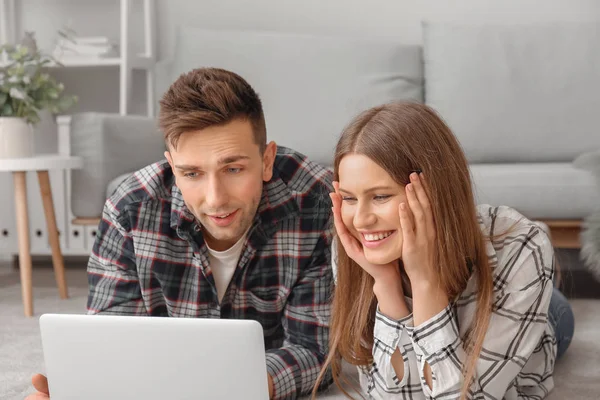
(516,93)
(310,86)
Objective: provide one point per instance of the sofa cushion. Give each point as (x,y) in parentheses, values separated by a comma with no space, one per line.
(537,190)
(516,93)
(311,86)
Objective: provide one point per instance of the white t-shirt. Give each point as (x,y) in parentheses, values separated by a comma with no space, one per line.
(223,264)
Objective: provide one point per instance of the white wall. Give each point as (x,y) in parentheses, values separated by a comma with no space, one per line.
(98,88)
(362,17)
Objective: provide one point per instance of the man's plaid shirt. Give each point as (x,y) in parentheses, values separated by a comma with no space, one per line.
(149,258)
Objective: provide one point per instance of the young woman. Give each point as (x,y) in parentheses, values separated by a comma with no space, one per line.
(436,298)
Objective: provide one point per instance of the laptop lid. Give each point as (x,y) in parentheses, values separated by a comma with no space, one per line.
(99,357)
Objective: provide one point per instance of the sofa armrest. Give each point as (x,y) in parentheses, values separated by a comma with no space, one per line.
(110,145)
(589,161)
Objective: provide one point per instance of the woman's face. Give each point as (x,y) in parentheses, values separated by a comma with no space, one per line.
(370,207)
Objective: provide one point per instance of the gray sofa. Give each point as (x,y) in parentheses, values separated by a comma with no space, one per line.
(523,101)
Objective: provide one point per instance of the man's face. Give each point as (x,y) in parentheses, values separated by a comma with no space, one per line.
(220,173)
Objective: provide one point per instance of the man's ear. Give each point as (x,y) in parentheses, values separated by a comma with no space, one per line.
(169,159)
(268,161)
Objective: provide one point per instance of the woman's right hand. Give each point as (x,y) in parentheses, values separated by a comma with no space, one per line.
(40,383)
(354,249)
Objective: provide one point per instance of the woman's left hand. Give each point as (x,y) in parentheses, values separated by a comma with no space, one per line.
(418,233)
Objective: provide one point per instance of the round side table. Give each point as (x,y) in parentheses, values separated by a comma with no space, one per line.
(40,164)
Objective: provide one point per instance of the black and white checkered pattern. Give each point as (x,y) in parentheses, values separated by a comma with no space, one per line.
(149,258)
(519,351)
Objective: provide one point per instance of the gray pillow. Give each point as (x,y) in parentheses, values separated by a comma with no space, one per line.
(311,86)
(516,93)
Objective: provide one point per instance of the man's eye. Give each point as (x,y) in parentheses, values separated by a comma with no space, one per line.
(234,170)
(190,174)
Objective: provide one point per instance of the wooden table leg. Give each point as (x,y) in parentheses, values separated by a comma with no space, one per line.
(23,233)
(57,258)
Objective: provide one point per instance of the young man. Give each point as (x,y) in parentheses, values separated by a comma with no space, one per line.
(227,227)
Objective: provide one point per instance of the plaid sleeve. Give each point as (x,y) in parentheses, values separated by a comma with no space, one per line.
(518,321)
(112,275)
(390,335)
(517,326)
(295,366)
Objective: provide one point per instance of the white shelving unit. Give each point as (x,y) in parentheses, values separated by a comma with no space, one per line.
(75,240)
(127,62)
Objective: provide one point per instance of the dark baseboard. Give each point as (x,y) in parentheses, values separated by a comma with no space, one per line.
(577,282)
(580,284)
(77,262)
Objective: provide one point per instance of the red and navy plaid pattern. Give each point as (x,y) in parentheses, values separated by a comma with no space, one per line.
(149,258)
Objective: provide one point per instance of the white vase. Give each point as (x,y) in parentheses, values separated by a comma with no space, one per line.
(16,138)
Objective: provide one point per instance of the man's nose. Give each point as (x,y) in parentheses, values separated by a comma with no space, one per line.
(216,194)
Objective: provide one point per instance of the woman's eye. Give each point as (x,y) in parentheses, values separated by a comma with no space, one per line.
(346,198)
(382,197)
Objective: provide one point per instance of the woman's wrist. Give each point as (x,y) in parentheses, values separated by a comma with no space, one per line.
(390,298)
(428,300)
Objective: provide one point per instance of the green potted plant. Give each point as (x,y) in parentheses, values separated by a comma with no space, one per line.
(26,89)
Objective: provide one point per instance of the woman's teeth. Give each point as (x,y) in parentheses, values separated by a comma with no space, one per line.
(369,237)
(224,216)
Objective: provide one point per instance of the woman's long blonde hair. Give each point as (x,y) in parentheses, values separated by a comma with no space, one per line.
(402,138)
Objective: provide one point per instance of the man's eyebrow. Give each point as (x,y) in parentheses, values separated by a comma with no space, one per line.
(223,161)
(232,159)
(187,167)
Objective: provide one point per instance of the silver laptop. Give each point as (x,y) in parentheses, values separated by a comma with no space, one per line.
(98,357)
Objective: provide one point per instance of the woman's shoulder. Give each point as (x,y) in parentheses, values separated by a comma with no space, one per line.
(519,249)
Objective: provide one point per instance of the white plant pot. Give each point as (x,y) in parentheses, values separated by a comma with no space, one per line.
(16,138)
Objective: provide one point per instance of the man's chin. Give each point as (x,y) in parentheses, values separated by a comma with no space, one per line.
(223,232)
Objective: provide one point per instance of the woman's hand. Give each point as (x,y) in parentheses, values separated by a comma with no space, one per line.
(418,234)
(40,383)
(418,253)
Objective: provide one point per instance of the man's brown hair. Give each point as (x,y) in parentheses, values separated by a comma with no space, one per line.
(206,97)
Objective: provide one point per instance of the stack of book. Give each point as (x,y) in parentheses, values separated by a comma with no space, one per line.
(77,48)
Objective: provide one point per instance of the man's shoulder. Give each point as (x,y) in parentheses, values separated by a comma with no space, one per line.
(302,176)
(151,183)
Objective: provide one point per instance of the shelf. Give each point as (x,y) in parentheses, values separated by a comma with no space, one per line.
(87,62)
(126,62)
(138,62)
